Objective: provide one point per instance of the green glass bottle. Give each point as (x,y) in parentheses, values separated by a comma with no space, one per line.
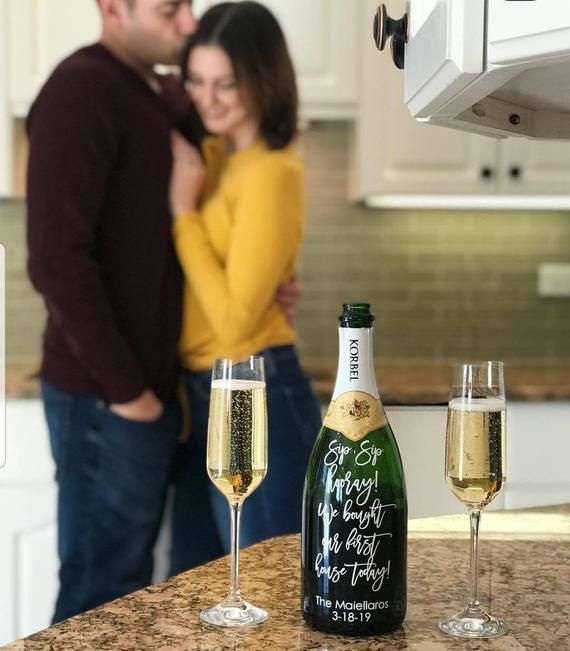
(355,512)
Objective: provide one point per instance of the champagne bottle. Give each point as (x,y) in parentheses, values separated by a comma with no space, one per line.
(354,502)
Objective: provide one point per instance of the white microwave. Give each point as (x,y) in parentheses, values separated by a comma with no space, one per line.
(494,67)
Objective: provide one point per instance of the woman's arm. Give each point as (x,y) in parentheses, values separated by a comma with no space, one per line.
(264,241)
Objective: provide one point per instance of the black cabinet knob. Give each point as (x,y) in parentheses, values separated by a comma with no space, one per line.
(515,172)
(385,28)
(487,172)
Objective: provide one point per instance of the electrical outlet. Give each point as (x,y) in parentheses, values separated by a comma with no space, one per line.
(554,280)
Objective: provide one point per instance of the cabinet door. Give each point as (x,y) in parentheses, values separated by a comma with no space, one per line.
(28,550)
(538,449)
(6,126)
(322,37)
(444,52)
(28,558)
(420,434)
(40,34)
(396,155)
(28,536)
(534,167)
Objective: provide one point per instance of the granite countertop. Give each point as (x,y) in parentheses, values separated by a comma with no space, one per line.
(525,565)
(408,382)
(22,379)
(402,382)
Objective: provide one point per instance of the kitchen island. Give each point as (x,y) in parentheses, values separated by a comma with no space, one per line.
(525,575)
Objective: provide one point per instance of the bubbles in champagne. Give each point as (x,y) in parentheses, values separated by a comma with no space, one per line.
(475,449)
(237,437)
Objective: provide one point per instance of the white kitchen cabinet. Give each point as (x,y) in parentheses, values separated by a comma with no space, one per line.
(420,433)
(534,167)
(401,162)
(490,66)
(28,553)
(322,36)
(28,536)
(538,448)
(2,355)
(397,156)
(40,34)
(36,34)
(6,121)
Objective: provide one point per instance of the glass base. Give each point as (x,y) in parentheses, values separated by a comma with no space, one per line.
(474,622)
(233,613)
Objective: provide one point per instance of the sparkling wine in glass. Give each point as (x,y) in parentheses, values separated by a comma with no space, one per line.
(236,463)
(475,472)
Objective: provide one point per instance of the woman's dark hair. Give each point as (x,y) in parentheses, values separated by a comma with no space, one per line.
(254,42)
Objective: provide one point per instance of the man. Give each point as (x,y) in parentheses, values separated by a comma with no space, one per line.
(100,253)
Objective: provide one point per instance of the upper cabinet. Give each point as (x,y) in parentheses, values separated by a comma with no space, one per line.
(36,34)
(341,75)
(40,33)
(402,162)
(492,67)
(399,160)
(323,39)
(535,167)
(322,36)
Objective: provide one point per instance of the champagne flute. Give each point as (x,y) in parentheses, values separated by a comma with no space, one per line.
(475,472)
(236,463)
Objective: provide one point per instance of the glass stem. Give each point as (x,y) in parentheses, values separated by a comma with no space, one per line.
(235,594)
(474,519)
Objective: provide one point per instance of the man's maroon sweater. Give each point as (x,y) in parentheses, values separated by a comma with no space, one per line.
(100,249)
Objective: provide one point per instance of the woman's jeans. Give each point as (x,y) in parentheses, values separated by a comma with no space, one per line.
(112,476)
(201,512)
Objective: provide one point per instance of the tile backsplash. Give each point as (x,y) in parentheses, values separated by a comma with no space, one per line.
(25,314)
(443,284)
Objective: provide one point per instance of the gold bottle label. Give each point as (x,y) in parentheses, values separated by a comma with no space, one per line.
(355,414)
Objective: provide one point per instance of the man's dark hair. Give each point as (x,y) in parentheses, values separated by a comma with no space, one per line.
(254,42)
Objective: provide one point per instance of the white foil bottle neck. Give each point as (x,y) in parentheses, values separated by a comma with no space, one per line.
(355,363)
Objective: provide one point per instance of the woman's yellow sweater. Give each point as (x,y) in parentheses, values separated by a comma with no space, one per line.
(236,249)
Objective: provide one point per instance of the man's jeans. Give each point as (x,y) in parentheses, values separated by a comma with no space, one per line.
(112,475)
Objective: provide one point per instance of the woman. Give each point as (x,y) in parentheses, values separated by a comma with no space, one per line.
(238,230)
